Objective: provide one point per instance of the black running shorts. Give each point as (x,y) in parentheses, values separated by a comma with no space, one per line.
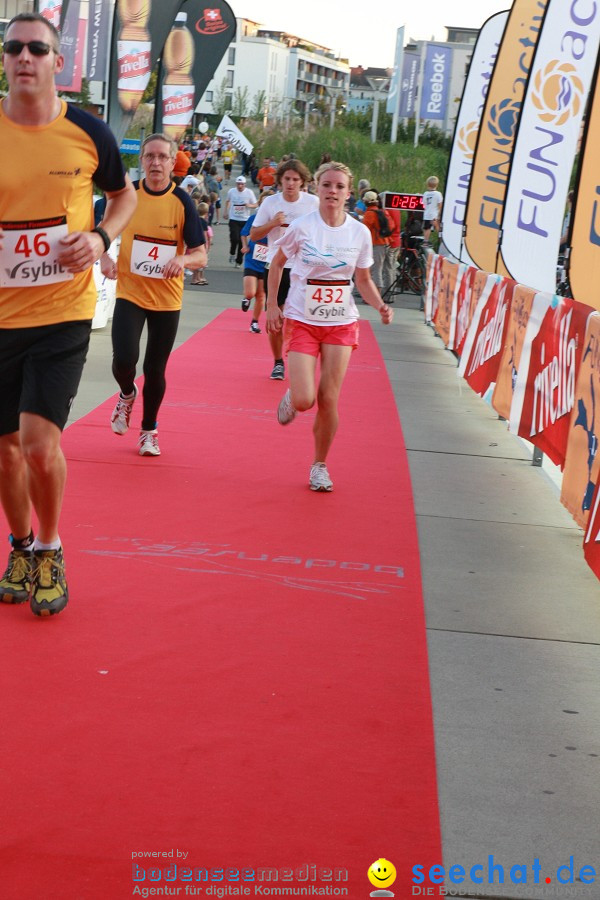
(40,371)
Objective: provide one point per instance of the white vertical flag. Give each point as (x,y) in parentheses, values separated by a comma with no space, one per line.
(465,134)
(546,142)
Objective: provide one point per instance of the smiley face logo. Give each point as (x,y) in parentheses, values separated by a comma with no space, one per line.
(382,873)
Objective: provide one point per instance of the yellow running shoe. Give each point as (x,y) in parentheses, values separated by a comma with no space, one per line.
(49,592)
(15,585)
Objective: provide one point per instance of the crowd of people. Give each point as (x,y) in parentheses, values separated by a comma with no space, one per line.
(307,242)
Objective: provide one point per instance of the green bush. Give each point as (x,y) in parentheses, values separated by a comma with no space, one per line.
(392,167)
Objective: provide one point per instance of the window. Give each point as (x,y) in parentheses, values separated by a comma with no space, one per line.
(208,96)
(229,78)
(231,57)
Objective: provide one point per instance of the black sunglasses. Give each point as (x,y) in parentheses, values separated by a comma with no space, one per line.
(36,48)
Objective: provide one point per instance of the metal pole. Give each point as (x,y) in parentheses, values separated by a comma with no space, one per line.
(374,121)
(420,92)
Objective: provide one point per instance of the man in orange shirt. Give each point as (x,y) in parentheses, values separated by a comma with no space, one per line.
(380,243)
(266,175)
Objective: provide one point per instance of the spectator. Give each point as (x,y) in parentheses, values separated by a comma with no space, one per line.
(374,223)
(432,201)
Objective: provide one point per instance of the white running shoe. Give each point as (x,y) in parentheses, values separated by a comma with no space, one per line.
(285,411)
(148,443)
(319,477)
(121,414)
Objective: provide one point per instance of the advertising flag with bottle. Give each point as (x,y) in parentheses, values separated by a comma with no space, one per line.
(584,232)
(193,50)
(140,29)
(546,142)
(465,133)
(482,350)
(495,140)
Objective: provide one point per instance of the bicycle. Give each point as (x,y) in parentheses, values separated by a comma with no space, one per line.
(410,277)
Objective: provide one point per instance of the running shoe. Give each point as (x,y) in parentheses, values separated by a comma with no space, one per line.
(278,373)
(148,443)
(15,585)
(121,414)
(285,411)
(232,259)
(245,304)
(319,479)
(255,328)
(49,591)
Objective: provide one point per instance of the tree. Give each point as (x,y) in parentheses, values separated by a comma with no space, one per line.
(240,103)
(221,99)
(258,105)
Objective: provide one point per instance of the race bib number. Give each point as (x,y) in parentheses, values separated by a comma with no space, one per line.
(260,252)
(29,257)
(327,301)
(149,256)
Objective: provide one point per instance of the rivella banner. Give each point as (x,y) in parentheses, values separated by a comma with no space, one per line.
(140,28)
(584,234)
(544,391)
(465,133)
(546,142)
(435,86)
(495,141)
(582,467)
(193,50)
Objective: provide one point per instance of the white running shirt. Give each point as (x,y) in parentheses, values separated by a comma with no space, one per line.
(269,208)
(319,252)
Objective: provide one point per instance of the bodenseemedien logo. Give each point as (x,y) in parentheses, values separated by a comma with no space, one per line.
(557,92)
(502,122)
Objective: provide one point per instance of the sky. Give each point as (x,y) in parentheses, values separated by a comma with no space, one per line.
(363,32)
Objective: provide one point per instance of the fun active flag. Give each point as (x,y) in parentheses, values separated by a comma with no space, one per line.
(584,233)
(546,142)
(229,130)
(140,28)
(465,133)
(493,151)
(192,52)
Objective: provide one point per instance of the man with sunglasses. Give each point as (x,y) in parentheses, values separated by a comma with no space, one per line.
(48,245)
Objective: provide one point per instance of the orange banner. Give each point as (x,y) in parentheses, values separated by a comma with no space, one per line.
(446,299)
(495,142)
(582,466)
(520,308)
(434,267)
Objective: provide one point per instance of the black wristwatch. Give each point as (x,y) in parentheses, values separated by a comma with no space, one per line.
(104,236)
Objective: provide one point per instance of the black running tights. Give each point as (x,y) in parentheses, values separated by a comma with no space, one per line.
(127,325)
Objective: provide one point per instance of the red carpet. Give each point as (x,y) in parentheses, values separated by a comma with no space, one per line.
(241,673)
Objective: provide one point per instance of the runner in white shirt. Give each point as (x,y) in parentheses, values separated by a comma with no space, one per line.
(274,216)
(238,206)
(326,248)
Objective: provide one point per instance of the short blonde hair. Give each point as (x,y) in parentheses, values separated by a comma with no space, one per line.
(432,182)
(334,166)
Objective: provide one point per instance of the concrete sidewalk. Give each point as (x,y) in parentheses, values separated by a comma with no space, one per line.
(513,612)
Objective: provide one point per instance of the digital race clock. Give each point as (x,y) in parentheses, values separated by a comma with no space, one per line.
(393,200)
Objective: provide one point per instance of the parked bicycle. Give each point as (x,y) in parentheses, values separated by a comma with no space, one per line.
(410,273)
